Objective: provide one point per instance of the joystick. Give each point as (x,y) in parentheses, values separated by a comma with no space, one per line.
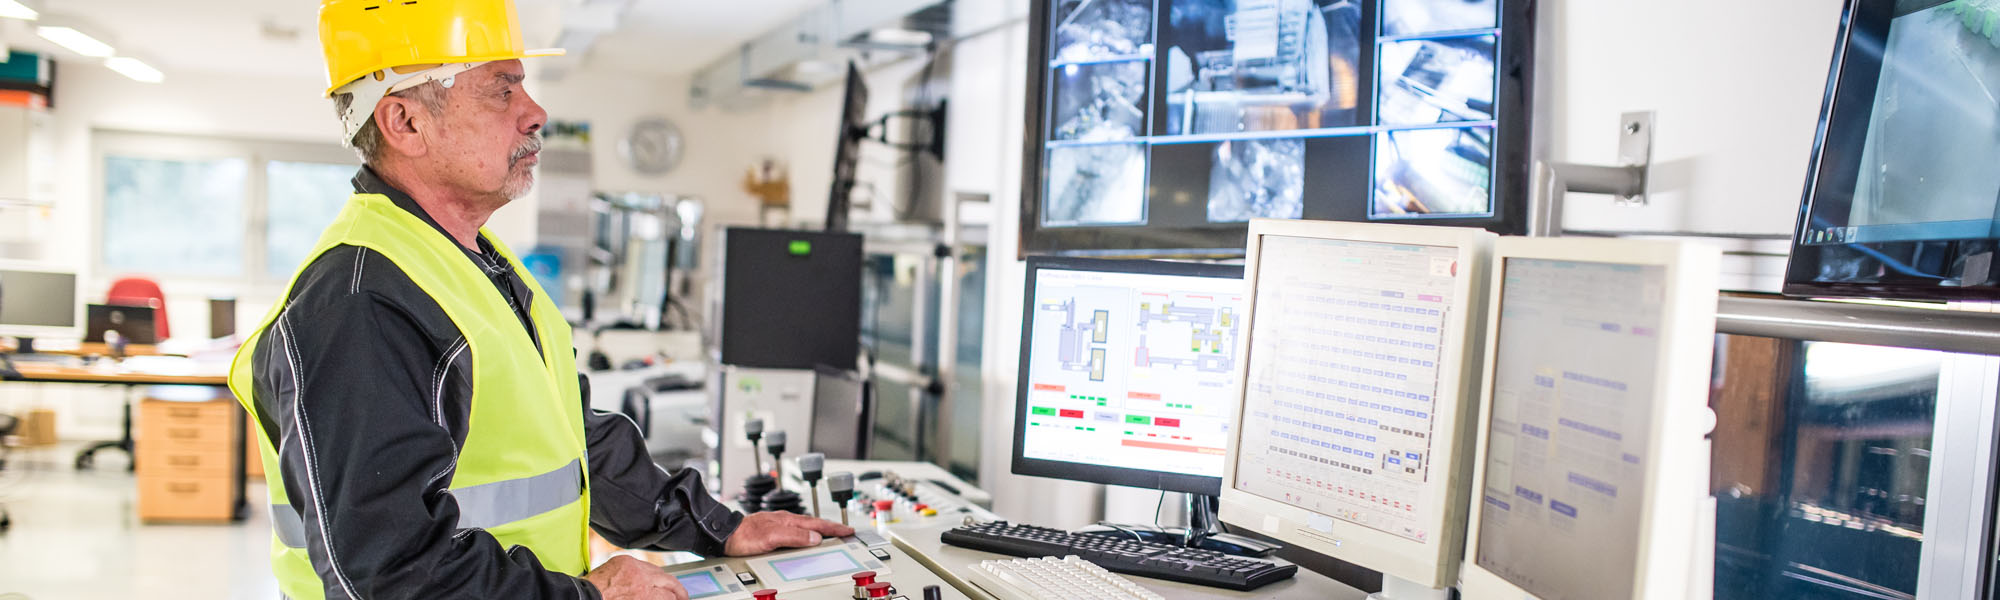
(810,468)
(759,485)
(840,486)
(778,498)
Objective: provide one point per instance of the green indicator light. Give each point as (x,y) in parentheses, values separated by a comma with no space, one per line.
(1043,411)
(801,247)
(1138,420)
(1079,429)
(1093,429)
(1128,433)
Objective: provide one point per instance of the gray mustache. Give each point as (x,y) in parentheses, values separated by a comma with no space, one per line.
(529,146)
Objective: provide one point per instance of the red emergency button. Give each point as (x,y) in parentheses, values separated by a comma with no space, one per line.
(884,505)
(862,579)
(765,594)
(921,506)
(878,589)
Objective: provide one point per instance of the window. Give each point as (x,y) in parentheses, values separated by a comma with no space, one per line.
(160,215)
(219,210)
(302,199)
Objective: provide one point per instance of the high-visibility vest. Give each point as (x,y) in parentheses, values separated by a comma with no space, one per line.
(521,475)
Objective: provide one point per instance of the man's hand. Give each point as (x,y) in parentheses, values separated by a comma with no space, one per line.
(767,531)
(625,577)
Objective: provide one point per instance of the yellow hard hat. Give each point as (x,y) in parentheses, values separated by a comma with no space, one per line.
(365,36)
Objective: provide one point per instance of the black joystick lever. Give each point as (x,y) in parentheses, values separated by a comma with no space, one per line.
(775,443)
(754,429)
(840,486)
(811,466)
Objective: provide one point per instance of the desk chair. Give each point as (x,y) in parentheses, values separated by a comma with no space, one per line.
(129,291)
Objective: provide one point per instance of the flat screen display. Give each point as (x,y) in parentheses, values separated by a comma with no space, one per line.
(815,566)
(1131,371)
(1343,379)
(1904,200)
(37,299)
(700,585)
(1567,447)
(1168,124)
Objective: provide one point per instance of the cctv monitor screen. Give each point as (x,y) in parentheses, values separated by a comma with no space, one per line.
(1903,200)
(1576,359)
(1127,372)
(1169,124)
(1341,401)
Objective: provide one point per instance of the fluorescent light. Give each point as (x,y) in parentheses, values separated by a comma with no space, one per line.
(75,41)
(897,36)
(134,68)
(14,9)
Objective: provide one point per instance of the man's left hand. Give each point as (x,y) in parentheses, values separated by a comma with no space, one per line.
(768,531)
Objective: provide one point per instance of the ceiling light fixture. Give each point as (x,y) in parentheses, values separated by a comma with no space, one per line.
(75,41)
(14,9)
(134,68)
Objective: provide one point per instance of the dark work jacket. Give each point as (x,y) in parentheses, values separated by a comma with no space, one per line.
(371,348)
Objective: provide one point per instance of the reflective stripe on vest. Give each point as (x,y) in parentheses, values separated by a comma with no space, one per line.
(479,507)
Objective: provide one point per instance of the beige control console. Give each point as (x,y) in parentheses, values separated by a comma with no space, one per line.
(829,571)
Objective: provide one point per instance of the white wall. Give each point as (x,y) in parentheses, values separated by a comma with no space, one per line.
(1737,87)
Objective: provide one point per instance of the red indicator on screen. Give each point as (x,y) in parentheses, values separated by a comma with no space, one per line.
(1072,414)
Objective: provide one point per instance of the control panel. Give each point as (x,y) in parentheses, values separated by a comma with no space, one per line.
(861,567)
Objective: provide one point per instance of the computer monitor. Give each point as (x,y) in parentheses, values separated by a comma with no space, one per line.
(39,302)
(1357,391)
(1127,370)
(1591,465)
(847,150)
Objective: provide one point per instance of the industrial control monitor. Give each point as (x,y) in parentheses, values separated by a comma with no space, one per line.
(1591,470)
(1356,392)
(1128,370)
(39,302)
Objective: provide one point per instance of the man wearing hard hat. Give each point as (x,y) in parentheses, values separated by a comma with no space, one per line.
(423,425)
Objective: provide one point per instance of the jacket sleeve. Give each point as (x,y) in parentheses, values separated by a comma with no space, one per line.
(366,458)
(634,503)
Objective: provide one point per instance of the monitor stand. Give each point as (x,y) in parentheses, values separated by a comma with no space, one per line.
(1203,521)
(1397,588)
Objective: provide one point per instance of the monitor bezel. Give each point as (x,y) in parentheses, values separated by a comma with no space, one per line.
(1107,475)
(1677,511)
(70,333)
(1512,160)
(1845,110)
(1432,562)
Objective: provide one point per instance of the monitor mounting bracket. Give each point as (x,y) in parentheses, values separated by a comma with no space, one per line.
(1628,181)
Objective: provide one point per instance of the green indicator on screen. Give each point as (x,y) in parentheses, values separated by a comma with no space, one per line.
(1138,420)
(1043,411)
(801,247)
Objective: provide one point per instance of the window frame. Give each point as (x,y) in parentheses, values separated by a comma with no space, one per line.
(254,273)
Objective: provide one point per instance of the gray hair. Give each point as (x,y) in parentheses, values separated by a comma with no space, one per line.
(368,143)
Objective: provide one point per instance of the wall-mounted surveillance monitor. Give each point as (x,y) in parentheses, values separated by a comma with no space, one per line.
(1903,198)
(1165,126)
(1357,393)
(1590,476)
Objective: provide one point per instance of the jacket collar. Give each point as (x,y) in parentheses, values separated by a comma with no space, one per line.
(367,181)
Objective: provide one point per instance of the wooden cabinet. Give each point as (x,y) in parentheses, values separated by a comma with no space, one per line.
(186,456)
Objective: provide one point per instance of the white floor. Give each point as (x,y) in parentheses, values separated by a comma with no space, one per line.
(76,536)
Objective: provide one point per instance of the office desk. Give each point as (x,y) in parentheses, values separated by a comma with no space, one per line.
(36,372)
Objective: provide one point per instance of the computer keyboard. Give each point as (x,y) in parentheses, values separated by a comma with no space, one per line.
(1068,578)
(1123,555)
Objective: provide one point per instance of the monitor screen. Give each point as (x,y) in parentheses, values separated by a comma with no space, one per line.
(1168,124)
(1903,200)
(1128,372)
(1576,359)
(37,299)
(1348,350)
(700,584)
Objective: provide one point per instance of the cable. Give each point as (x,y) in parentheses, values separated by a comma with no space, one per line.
(1135,535)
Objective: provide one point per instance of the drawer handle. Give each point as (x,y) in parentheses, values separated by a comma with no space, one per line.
(182,460)
(183,488)
(184,413)
(183,433)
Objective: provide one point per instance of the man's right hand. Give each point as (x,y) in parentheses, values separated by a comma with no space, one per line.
(625,577)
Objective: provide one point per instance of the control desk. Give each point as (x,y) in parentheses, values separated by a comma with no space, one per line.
(837,569)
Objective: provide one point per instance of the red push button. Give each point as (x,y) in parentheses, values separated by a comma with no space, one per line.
(765,594)
(863,578)
(879,589)
(884,505)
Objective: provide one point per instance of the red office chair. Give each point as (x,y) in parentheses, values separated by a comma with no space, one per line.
(140,291)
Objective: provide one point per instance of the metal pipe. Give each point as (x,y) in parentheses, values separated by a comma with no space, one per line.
(1848,323)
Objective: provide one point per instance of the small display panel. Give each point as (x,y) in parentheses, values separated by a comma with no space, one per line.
(1578,348)
(815,566)
(1340,398)
(1132,370)
(701,584)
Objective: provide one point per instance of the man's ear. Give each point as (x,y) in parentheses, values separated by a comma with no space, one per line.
(403,123)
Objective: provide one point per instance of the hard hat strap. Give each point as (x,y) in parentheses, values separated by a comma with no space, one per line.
(368,91)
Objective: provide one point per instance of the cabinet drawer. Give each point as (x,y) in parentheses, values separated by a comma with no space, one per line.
(185,498)
(185,412)
(206,435)
(179,460)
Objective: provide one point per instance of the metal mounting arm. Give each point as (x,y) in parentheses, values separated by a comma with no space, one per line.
(1554,180)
